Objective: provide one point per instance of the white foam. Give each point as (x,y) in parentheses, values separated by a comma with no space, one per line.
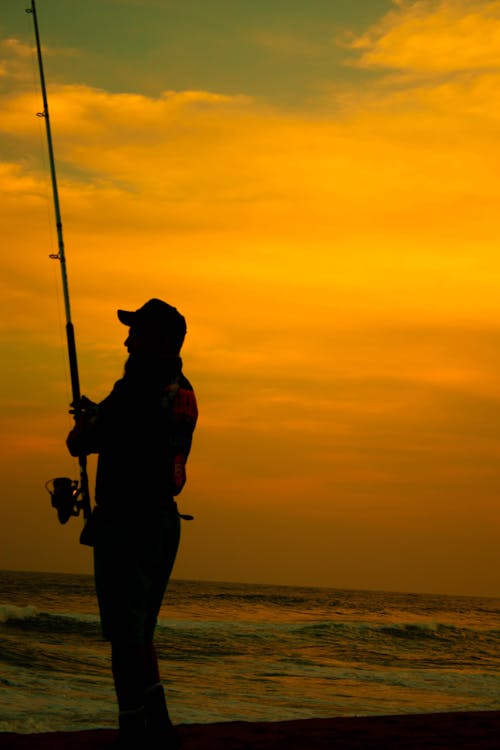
(11,612)
(28,725)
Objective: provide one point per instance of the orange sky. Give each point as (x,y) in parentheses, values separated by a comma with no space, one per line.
(334,248)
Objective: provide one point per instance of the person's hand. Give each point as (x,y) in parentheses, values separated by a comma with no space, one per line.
(84,408)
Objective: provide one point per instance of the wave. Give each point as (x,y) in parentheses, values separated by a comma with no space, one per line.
(408,644)
(401,630)
(10,612)
(30,619)
(383,643)
(29,616)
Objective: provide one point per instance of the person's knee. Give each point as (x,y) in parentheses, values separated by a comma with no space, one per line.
(127,643)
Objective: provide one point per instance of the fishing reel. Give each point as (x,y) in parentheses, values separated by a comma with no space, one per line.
(65,494)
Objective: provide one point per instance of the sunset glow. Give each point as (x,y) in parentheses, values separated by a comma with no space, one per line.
(318,195)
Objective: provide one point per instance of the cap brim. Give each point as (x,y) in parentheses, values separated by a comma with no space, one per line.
(126,317)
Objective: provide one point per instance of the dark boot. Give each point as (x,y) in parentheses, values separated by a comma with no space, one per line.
(132,729)
(160,731)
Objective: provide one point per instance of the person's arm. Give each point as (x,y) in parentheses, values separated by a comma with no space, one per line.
(184,417)
(84,437)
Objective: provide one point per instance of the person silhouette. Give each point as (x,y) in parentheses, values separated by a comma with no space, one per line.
(142,432)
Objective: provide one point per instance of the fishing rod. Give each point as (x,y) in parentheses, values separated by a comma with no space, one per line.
(68,496)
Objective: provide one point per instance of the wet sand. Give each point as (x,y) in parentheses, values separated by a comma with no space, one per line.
(472,730)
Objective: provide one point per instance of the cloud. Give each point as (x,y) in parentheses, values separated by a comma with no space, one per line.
(13,58)
(364,213)
(424,37)
(363,216)
(435,71)
(338,268)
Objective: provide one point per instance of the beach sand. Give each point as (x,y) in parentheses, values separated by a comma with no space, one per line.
(475,730)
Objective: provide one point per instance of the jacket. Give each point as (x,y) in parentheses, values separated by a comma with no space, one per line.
(142,433)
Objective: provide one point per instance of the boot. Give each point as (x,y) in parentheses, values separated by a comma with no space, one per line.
(132,732)
(161,734)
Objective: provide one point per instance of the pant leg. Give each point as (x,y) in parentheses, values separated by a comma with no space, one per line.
(132,567)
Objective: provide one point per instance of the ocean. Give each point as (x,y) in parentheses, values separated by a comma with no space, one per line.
(233,651)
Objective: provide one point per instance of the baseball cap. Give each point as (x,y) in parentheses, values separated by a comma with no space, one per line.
(156,316)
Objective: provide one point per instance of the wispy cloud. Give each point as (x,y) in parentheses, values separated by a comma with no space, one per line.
(15,57)
(422,37)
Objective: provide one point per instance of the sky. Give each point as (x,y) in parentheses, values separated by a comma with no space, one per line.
(315,186)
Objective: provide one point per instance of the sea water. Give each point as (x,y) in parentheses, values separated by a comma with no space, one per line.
(248,652)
